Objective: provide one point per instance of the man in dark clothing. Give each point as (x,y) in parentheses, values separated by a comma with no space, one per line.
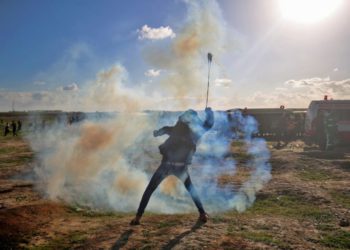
(320,130)
(282,129)
(6,129)
(14,128)
(330,129)
(19,125)
(177,152)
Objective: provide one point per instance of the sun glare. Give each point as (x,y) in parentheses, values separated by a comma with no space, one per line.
(308,11)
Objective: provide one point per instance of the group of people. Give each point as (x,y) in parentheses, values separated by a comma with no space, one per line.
(13,127)
(326,129)
(289,127)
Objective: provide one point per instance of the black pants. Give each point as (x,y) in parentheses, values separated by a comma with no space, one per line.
(161,173)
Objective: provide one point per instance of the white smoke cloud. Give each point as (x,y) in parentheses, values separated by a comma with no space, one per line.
(152,73)
(222,82)
(184,58)
(160,33)
(71,87)
(299,93)
(39,82)
(109,92)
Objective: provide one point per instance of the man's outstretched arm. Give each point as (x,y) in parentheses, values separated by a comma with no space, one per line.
(209,120)
(164,130)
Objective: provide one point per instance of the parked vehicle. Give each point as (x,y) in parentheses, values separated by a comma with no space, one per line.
(317,122)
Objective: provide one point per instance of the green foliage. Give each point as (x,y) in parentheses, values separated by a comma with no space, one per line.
(291,205)
(341,197)
(164,224)
(67,242)
(339,239)
(260,236)
(87,212)
(313,174)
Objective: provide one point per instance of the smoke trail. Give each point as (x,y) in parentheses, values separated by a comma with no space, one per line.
(183,58)
(106,162)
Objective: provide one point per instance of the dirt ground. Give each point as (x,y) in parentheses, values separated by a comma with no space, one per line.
(305,206)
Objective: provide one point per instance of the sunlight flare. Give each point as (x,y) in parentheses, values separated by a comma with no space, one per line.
(308,11)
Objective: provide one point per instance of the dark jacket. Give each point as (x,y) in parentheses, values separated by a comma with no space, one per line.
(183,137)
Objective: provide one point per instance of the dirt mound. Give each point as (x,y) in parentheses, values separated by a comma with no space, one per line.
(17,225)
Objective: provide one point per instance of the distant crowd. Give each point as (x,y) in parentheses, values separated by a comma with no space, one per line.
(13,127)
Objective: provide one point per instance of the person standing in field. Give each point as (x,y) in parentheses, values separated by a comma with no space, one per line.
(19,125)
(177,152)
(2,127)
(7,129)
(14,128)
(330,130)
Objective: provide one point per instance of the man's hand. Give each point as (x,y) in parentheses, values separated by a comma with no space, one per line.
(209,120)
(208,110)
(155,133)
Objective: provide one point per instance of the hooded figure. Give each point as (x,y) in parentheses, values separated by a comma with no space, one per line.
(177,152)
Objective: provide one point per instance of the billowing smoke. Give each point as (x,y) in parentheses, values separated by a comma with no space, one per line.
(183,58)
(218,161)
(105,162)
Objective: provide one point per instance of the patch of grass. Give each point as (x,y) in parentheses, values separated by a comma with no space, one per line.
(18,159)
(289,205)
(239,152)
(7,150)
(317,215)
(339,239)
(67,242)
(20,198)
(77,238)
(341,197)
(10,138)
(86,212)
(241,157)
(218,219)
(326,227)
(263,237)
(313,174)
(164,224)
(262,227)
(146,233)
(343,165)
(237,143)
(147,246)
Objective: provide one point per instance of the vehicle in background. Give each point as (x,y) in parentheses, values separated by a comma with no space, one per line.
(276,123)
(316,121)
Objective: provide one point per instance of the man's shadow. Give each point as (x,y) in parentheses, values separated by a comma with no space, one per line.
(123,239)
(178,238)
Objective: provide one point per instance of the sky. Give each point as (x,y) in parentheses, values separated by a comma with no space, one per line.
(54,54)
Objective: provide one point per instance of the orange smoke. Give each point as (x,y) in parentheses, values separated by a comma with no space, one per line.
(85,160)
(169,186)
(94,137)
(187,45)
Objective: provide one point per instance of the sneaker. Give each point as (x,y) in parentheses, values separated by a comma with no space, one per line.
(135,221)
(203,217)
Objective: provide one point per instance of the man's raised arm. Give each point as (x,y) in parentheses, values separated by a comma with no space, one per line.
(164,130)
(209,120)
